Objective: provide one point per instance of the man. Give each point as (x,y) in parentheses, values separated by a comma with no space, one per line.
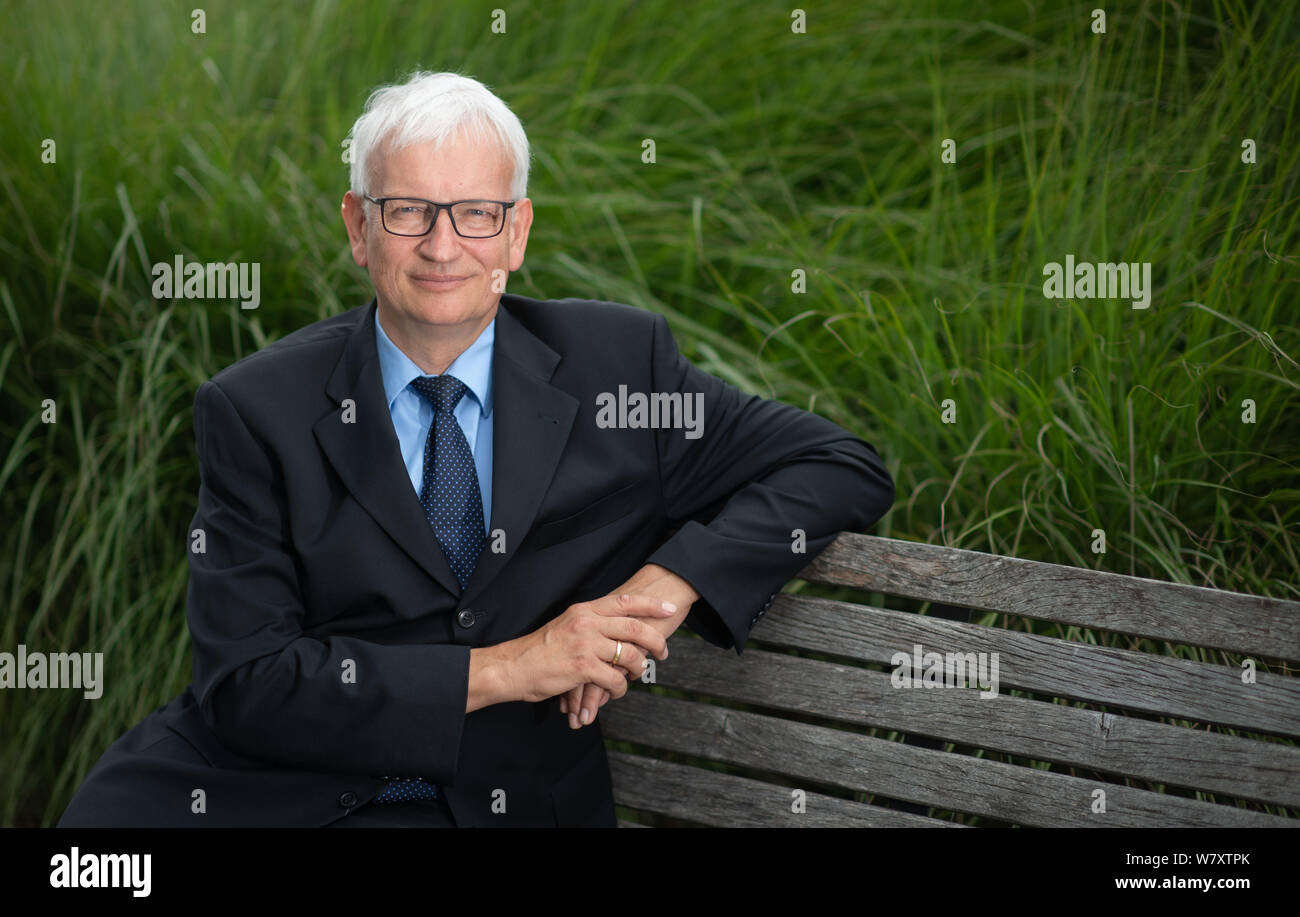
(428,544)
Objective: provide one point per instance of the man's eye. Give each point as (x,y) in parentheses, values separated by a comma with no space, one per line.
(475,212)
(410,209)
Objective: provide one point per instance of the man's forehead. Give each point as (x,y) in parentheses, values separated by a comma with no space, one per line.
(459,163)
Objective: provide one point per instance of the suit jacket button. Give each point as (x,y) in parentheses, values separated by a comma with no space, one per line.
(348,800)
(466,617)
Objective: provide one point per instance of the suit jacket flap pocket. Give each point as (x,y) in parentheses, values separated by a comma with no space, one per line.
(605,510)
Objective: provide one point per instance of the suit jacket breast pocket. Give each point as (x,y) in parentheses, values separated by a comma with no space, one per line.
(607,509)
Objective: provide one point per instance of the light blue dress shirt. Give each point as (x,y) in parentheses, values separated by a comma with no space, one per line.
(413,415)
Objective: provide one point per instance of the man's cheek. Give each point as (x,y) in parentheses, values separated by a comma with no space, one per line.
(385,275)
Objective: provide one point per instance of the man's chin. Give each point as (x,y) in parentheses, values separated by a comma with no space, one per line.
(442,311)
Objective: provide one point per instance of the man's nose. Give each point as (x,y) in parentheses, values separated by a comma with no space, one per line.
(442,238)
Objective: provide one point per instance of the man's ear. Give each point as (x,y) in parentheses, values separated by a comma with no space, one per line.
(354,219)
(521,221)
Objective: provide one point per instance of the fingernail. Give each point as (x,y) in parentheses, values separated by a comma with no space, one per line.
(669,607)
(573,721)
(586,716)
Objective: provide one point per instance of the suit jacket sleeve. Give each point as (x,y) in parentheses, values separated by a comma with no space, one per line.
(778,468)
(267,689)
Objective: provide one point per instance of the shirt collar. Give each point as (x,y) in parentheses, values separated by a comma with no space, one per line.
(473,367)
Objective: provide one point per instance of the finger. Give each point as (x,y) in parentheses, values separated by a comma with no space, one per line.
(632,662)
(590,703)
(638,605)
(630,630)
(572,699)
(608,677)
(604,695)
(624,658)
(617,685)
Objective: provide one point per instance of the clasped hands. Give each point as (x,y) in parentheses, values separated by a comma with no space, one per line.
(583,642)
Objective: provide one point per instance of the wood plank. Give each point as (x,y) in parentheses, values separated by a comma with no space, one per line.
(1193,615)
(1264,771)
(727,801)
(956,782)
(1162,685)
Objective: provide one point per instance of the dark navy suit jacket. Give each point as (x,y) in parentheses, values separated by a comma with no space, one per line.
(317,560)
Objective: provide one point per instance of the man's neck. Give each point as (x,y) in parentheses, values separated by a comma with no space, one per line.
(433,348)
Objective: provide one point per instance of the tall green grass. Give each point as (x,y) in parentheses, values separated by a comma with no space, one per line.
(775,152)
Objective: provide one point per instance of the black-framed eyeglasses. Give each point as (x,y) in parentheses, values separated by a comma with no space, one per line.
(414,216)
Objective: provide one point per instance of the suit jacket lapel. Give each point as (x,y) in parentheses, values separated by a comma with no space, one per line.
(531,422)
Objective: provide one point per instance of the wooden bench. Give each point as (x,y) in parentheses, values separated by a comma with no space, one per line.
(1086,729)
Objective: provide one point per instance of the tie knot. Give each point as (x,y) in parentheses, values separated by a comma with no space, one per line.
(442,391)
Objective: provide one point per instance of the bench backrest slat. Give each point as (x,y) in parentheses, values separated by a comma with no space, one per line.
(1142,682)
(726,801)
(1191,615)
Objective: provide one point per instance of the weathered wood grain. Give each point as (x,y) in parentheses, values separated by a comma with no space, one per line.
(1193,615)
(955,782)
(1236,766)
(1163,685)
(727,801)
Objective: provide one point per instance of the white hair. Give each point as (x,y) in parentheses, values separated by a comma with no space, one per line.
(433,107)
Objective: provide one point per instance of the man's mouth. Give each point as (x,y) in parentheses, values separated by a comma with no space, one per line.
(438,281)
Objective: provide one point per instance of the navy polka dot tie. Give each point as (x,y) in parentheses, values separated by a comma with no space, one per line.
(406,789)
(450,495)
(453,505)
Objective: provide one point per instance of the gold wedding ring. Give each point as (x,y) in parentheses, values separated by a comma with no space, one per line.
(618,654)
